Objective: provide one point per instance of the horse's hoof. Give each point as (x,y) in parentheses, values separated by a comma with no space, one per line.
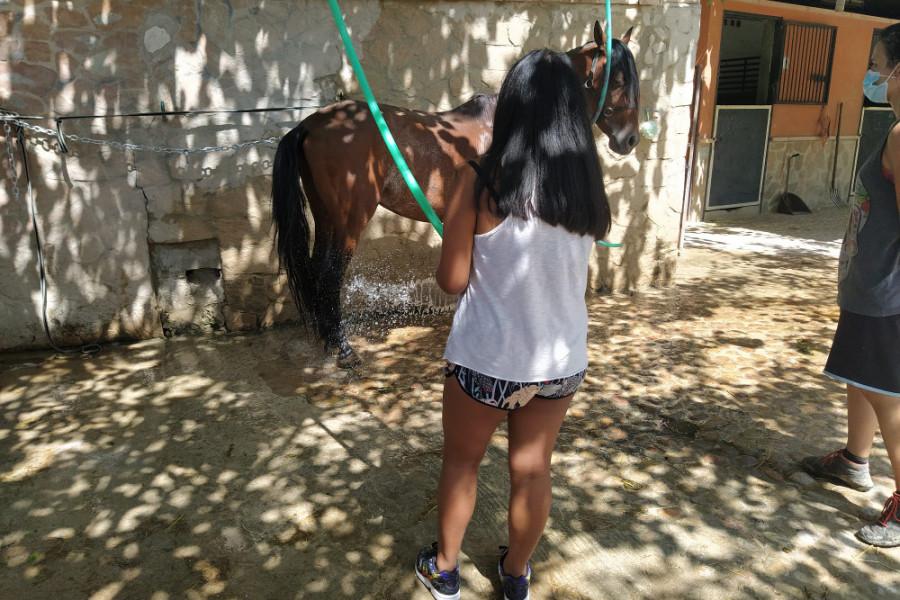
(348,361)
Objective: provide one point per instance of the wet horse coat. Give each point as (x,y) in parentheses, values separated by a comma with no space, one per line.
(347,172)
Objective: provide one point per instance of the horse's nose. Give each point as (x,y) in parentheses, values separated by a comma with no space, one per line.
(632,141)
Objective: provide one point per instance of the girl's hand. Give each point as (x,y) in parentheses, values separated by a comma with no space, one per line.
(460,218)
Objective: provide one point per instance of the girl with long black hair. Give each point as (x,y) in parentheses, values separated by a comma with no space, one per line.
(518,234)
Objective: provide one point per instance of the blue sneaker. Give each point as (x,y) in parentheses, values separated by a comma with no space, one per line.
(514,588)
(443,585)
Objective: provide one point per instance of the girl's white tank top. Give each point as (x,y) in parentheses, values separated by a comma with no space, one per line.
(523,315)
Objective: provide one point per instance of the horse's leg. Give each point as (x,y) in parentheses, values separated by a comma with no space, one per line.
(333,260)
(338,226)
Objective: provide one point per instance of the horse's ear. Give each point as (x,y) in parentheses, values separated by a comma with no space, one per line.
(599,38)
(627,37)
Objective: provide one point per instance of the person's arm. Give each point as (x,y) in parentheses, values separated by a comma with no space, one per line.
(459,231)
(892,160)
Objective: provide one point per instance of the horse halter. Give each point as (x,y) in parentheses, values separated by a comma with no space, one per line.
(589,84)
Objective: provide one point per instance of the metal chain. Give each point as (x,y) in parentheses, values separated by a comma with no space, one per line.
(143,148)
(12,160)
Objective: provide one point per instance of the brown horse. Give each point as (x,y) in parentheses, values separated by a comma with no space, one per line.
(347,172)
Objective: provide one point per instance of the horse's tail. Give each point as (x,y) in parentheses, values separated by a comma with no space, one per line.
(289,216)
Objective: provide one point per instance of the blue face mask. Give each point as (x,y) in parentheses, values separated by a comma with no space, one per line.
(876,92)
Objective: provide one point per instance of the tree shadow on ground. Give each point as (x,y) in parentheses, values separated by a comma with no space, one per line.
(247,466)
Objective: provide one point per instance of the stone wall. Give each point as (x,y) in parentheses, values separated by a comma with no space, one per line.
(138,243)
(810,172)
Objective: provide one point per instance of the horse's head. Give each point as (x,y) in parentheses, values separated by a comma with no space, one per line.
(618,117)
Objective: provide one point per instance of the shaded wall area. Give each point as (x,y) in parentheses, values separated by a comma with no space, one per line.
(145,239)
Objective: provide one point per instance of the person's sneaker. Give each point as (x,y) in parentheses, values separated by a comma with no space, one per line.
(443,585)
(885,532)
(837,469)
(514,588)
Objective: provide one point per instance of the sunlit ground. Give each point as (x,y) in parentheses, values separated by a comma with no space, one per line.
(247,466)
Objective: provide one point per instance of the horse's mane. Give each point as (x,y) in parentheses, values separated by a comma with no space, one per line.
(623,62)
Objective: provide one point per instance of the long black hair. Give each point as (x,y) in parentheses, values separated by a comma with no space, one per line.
(890,37)
(543,149)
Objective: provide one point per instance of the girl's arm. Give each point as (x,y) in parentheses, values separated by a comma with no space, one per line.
(891,160)
(459,231)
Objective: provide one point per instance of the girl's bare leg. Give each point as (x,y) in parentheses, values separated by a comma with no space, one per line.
(862,423)
(468,427)
(532,435)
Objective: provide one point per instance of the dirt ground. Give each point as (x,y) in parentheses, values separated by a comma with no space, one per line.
(246,466)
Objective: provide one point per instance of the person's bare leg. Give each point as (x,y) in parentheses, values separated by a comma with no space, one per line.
(532,435)
(887,409)
(468,426)
(862,423)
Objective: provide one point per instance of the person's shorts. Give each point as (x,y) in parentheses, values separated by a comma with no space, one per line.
(866,352)
(510,395)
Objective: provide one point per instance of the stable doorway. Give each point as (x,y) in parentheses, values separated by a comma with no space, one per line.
(738,157)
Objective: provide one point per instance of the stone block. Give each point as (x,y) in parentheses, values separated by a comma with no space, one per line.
(160,36)
(459,84)
(37,51)
(77,43)
(245,249)
(156,38)
(492,78)
(240,321)
(162,201)
(215,21)
(278,289)
(100,65)
(279,313)
(518,30)
(91,250)
(235,202)
(118,14)
(61,16)
(34,29)
(126,42)
(249,292)
(176,260)
(179,228)
(7,23)
(68,67)
(501,58)
(29,78)
(152,170)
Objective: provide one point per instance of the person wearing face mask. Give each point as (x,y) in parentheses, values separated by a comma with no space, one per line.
(865,354)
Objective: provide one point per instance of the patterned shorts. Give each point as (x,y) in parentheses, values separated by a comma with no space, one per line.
(510,395)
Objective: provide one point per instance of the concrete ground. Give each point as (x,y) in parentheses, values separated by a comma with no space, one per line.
(246,466)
